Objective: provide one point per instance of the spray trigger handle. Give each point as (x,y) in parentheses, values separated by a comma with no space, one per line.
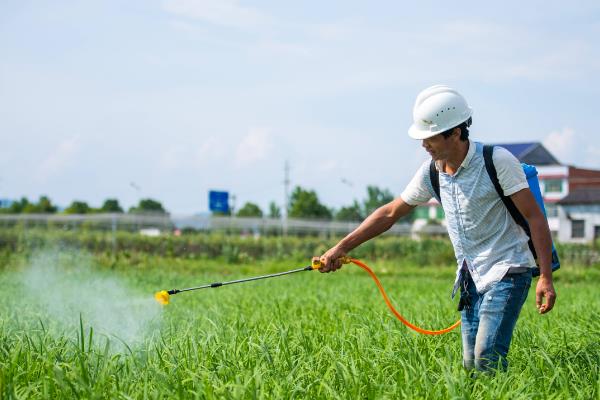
(316,264)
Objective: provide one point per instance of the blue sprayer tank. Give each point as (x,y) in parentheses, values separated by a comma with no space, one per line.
(534,185)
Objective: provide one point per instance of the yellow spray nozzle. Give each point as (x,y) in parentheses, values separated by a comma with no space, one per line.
(162,297)
(316,264)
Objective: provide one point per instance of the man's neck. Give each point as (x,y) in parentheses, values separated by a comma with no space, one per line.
(457,157)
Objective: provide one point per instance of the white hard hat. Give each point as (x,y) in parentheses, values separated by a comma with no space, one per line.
(437,109)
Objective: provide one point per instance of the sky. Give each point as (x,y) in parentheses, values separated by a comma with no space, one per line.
(169,99)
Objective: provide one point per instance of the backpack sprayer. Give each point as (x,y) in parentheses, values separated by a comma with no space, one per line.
(163,296)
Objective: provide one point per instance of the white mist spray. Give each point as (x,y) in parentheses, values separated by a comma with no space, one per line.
(67,285)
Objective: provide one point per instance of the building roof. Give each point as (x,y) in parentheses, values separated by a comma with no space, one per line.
(533,153)
(582,196)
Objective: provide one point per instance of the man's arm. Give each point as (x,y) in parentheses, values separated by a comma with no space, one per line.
(542,242)
(378,222)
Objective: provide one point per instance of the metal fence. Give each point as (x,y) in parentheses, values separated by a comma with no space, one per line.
(152,224)
(155,225)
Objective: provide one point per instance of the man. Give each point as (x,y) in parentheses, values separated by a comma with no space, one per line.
(493,258)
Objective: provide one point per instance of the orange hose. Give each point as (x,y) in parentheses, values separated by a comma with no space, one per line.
(393,310)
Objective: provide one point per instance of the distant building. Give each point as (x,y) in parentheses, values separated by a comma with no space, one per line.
(533,153)
(579,215)
(571,195)
(553,176)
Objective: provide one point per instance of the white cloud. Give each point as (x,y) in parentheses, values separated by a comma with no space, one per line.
(593,156)
(60,158)
(271,47)
(328,166)
(566,146)
(184,26)
(564,60)
(210,149)
(255,146)
(561,144)
(334,31)
(217,12)
(507,51)
(179,156)
(173,157)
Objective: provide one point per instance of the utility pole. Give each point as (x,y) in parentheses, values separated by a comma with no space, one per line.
(286,196)
(232,208)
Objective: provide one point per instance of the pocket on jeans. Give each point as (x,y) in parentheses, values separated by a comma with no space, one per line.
(518,280)
(522,280)
(496,298)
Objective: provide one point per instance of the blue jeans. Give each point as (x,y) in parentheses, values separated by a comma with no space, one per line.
(488,323)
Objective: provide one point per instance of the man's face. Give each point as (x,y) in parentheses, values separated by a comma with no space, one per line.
(440,148)
(437,147)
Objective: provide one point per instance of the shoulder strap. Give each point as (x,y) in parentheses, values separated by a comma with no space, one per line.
(488,152)
(434,176)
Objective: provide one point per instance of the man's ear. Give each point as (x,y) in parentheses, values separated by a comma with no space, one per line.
(456,132)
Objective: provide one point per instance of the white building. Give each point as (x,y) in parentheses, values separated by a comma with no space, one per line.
(579,215)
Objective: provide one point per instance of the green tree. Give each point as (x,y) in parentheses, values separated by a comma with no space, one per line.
(221,213)
(43,206)
(305,204)
(78,207)
(111,206)
(274,210)
(350,213)
(18,206)
(250,210)
(376,197)
(29,208)
(149,206)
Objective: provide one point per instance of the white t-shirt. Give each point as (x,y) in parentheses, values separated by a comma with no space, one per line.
(490,249)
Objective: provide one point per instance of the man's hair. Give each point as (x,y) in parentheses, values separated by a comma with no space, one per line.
(464,130)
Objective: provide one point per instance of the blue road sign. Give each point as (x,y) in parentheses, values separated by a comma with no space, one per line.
(218,201)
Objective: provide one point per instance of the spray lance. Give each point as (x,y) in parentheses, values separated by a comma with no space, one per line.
(163,297)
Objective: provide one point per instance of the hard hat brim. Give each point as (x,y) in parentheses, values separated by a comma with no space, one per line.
(419,134)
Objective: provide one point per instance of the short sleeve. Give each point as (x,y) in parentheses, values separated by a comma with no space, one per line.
(510,172)
(418,190)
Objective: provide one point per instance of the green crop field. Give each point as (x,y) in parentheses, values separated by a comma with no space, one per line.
(79,325)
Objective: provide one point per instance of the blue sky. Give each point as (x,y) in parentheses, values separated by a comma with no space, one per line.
(183,96)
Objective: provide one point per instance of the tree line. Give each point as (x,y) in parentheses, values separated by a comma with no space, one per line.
(304,203)
(45,206)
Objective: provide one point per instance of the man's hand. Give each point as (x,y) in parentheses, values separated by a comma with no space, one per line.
(331,261)
(545,289)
